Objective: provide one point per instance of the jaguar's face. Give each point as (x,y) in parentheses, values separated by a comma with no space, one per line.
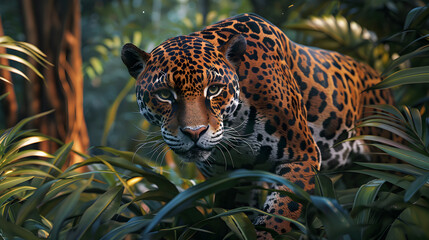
(188,87)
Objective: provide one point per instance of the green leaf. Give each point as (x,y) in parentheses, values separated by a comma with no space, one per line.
(134,224)
(97,65)
(402,168)
(102,50)
(111,114)
(14,191)
(57,160)
(197,226)
(336,220)
(5,80)
(324,186)
(14,70)
(137,38)
(31,204)
(415,186)
(66,208)
(239,223)
(411,224)
(391,178)
(59,186)
(13,231)
(24,154)
(421,52)
(14,131)
(29,172)
(96,210)
(130,156)
(4,96)
(417,121)
(216,184)
(22,61)
(157,195)
(411,157)
(405,76)
(389,109)
(23,143)
(12,181)
(364,198)
(62,154)
(33,49)
(37,57)
(24,163)
(151,176)
(376,139)
(415,16)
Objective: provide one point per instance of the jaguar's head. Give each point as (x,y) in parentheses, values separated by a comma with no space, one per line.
(189,87)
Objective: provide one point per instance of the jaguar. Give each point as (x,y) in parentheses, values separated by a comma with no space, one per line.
(239,94)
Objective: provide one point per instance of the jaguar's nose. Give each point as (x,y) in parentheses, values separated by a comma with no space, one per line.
(194,133)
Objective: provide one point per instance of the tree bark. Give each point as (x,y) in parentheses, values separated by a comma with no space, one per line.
(54,27)
(9,104)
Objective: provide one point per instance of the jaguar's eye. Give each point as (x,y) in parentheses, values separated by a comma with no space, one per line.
(213,90)
(164,95)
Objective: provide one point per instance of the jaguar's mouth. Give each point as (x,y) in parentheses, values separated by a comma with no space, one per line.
(194,154)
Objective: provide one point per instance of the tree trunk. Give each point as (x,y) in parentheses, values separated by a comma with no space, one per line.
(54,27)
(9,104)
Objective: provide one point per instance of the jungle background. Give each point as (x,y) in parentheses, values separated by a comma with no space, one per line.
(131,188)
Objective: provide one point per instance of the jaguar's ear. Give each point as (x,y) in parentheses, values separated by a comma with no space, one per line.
(234,49)
(134,58)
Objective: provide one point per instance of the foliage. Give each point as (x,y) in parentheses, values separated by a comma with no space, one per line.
(39,200)
(395,203)
(123,196)
(25,48)
(126,194)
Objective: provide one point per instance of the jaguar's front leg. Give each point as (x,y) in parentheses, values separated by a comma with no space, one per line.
(299,173)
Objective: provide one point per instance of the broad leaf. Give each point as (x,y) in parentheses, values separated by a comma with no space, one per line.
(415,186)
(66,208)
(336,220)
(239,223)
(364,198)
(405,76)
(219,183)
(411,157)
(96,210)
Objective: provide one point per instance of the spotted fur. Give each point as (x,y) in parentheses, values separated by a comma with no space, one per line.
(280,106)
